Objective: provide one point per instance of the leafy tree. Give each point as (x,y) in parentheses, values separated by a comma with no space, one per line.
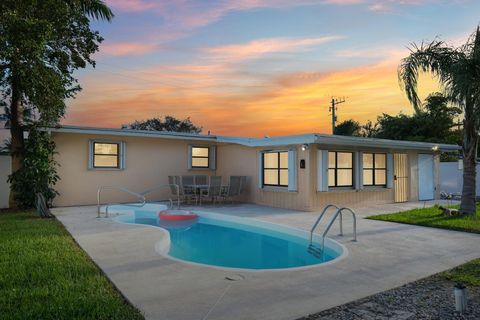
(369,129)
(458,70)
(41,44)
(434,122)
(168,123)
(348,128)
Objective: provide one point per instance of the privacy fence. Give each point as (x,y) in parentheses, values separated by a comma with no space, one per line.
(451,178)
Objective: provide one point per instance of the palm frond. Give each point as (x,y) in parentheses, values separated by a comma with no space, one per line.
(435,57)
(96,9)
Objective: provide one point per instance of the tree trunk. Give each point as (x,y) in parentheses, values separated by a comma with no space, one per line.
(470,140)
(16,131)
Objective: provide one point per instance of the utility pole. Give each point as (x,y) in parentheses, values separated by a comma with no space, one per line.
(333,108)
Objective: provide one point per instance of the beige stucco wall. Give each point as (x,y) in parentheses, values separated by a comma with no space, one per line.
(237,160)
(149,162)
(5,169)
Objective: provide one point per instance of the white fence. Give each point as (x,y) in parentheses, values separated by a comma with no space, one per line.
(5,168)
(451,178)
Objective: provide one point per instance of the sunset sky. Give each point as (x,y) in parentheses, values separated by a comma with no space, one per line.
(260,67)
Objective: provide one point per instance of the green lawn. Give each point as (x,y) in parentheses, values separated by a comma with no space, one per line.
(45,275)
(468,273)
(433,217)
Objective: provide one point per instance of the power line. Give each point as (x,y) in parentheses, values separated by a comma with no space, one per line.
(333,109)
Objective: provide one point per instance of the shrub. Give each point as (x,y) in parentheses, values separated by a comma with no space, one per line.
(39,173)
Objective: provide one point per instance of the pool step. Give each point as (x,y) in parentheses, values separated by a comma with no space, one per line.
(315,251)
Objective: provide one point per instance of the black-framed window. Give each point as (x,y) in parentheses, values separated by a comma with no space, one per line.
(340,169)
(275,168)
(200,157)
(374,169)
(106,155)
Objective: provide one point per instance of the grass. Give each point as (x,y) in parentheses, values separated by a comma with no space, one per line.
(45,275)
(433,217)
(468,273)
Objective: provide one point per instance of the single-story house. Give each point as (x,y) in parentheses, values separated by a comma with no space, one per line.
(303,172)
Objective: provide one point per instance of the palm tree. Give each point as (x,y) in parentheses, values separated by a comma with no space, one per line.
(458,70)
(96,9)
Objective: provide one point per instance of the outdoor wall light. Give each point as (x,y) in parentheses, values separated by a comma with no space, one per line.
(435,148)
(305,146)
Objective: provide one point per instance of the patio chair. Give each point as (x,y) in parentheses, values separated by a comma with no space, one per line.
(243,184)
(233,189)
(201,180)
(188,188)
(212,192)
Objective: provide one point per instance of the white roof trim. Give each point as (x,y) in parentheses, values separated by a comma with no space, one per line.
(324,139)
(132,133)
(270,142)
(382,143)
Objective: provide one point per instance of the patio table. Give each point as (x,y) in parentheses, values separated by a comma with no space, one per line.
(197,187)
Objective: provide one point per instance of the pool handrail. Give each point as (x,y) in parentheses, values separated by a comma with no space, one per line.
(100,189)
(320,218)
(169,185)
(337,213)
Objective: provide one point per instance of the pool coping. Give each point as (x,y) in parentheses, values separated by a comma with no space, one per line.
(163,245)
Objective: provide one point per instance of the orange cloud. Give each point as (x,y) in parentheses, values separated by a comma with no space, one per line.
(288,104)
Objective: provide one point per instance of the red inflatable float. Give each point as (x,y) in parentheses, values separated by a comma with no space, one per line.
(176,215)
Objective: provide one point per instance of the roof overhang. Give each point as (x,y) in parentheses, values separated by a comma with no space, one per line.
(384,143)
(131,133)
(270,142)
(310,138)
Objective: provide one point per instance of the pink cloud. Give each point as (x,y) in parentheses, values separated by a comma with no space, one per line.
(257,48)
(127,48)
(190,14)
(131,5)
(389,6)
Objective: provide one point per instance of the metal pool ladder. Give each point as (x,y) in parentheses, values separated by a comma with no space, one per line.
(338,213)
(141,196)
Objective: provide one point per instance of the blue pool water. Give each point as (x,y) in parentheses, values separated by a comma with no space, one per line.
(223,241)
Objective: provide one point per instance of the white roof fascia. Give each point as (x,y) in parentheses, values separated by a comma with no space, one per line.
(383,143)
(270,142)
(132,133)
(322,139)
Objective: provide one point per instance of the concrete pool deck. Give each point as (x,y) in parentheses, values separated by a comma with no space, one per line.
(386,255)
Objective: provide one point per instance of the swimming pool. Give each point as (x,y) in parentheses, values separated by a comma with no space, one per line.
(231,242)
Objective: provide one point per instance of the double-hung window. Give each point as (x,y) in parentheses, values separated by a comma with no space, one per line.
(275,168)
(106,155)
(200,157)
(340,169)
(374,169)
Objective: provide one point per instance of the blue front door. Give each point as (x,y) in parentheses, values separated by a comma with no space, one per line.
(426,177)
